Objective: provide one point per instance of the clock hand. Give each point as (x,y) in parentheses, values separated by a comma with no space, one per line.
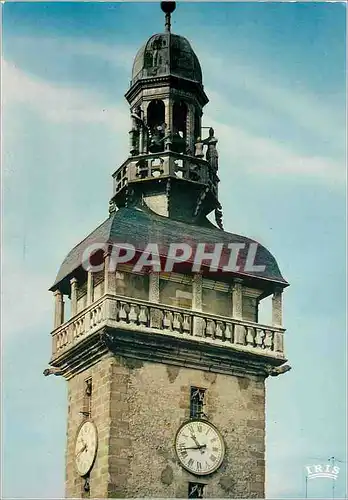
(199,447)
(195,440)
(81,450)
(196,447)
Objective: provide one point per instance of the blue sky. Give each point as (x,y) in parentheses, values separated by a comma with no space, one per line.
(275,76)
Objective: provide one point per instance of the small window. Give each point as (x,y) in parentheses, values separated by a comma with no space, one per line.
(197,402)
(217,302)
(87,398)
(176,294)
(250,308)
(136,286)
(195,490)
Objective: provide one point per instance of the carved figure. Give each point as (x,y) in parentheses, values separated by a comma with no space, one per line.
(199,148)
(212,155)
(179,143)
(157,138)
(112,207)
(136,131)
(156,47)
(218,216)
(168,140)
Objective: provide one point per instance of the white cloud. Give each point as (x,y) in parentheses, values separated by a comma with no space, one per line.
(118,55)
(288,99)
(262,156)
(58,103)
(255,154)
(26,302)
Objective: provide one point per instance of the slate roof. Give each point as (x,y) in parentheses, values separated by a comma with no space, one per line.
(139,227)
(176,57)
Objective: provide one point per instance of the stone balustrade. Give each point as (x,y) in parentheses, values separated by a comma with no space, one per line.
(133,314)
(167,163)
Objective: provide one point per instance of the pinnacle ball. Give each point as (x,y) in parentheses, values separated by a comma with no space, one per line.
(168,7)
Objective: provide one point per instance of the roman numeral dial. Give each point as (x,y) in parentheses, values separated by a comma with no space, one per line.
(199,447)
(85,447)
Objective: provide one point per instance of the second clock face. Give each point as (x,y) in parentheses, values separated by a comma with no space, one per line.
(200,447)
(85,447)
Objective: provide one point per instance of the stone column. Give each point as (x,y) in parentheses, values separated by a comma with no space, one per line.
(197,292)
(106,272)
(120,285)
(73,296)
(197,304)
(109,288)
(89,288)
(154,297)
(168,113)
(237,299)
(237,310)
(154,294)
(143,140)
(58,309)
(190,127)
(277,308)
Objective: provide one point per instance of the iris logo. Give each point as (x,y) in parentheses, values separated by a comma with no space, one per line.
(329,471)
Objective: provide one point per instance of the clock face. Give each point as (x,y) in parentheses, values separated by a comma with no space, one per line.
(85,447)
(200,447)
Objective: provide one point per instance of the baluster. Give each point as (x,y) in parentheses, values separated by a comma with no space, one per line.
(133,316)
(211,327)
(259,338)
(204,327)
(100,314)
(220,330)
(143,315)
(123,313)
(177,323)
(268,340)
(167,320)
(187,323)
(250,337)
(229,332)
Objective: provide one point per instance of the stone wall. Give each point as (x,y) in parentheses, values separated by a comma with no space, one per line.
(138,407)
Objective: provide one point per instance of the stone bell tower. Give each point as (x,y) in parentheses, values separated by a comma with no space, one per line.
(166,369)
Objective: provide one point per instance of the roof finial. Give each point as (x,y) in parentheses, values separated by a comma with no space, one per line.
(168,8)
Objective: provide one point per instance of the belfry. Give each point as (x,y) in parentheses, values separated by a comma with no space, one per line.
(166,369)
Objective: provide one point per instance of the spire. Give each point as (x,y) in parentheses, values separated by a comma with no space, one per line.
(168,8)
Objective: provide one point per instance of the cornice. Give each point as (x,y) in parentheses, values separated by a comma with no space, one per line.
(166,349)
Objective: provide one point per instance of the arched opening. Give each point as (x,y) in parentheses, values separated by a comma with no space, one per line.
(197,122)
(179,126)
(155,114)
(156,125)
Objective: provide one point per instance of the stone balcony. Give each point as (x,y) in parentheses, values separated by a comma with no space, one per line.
(142,317)
(167,163)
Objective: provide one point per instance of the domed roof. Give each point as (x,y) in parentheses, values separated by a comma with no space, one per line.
(166,54)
